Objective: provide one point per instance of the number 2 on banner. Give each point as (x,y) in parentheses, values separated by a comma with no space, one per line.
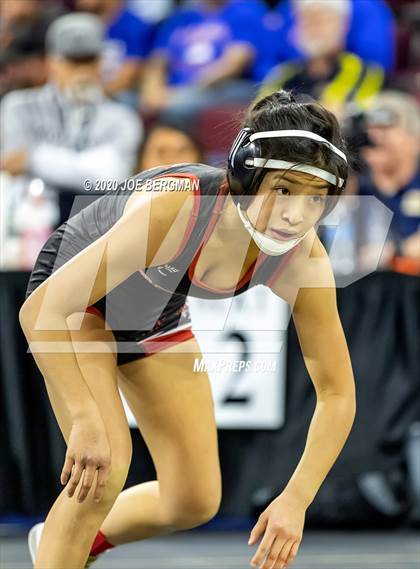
(229,396)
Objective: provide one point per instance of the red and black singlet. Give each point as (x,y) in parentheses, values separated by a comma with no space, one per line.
(149,306)
(177,276)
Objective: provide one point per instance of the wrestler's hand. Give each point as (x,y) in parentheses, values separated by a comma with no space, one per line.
(281,525)
(88,454)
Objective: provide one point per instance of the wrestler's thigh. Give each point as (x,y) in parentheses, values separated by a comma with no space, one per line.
(174,409)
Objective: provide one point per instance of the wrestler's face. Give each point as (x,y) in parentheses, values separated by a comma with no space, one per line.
(288,204)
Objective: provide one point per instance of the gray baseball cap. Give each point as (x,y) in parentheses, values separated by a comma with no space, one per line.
(75,36)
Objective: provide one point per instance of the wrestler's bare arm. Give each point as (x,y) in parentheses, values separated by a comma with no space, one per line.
(327,359)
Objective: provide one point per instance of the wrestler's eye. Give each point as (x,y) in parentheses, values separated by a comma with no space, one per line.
(283,191)
(318,199)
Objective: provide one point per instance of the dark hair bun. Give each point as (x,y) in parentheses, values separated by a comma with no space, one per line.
(282,97)
(274,101)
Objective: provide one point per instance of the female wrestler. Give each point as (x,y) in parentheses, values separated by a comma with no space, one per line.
(131,258)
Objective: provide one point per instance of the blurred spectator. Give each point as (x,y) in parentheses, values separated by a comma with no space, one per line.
(327,73)
(67,131)
(393,168)
(127,43)
(23,26)
(168,143)
(205,53)
(152,12)
(371,33)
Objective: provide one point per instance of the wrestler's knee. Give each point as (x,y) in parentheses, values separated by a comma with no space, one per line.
(189,513)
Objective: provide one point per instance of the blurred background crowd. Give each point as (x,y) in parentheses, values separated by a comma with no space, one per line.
(101,89)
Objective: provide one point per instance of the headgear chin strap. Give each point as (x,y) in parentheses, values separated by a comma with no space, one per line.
(267,244)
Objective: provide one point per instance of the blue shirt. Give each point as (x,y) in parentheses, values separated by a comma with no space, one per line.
(127,37)
(405,204)
(193,38)
(132,32)
(371,35)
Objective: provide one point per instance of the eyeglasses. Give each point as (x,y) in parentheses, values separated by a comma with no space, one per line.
(82,59)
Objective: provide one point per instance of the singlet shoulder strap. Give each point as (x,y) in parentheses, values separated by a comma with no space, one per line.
(209,194)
